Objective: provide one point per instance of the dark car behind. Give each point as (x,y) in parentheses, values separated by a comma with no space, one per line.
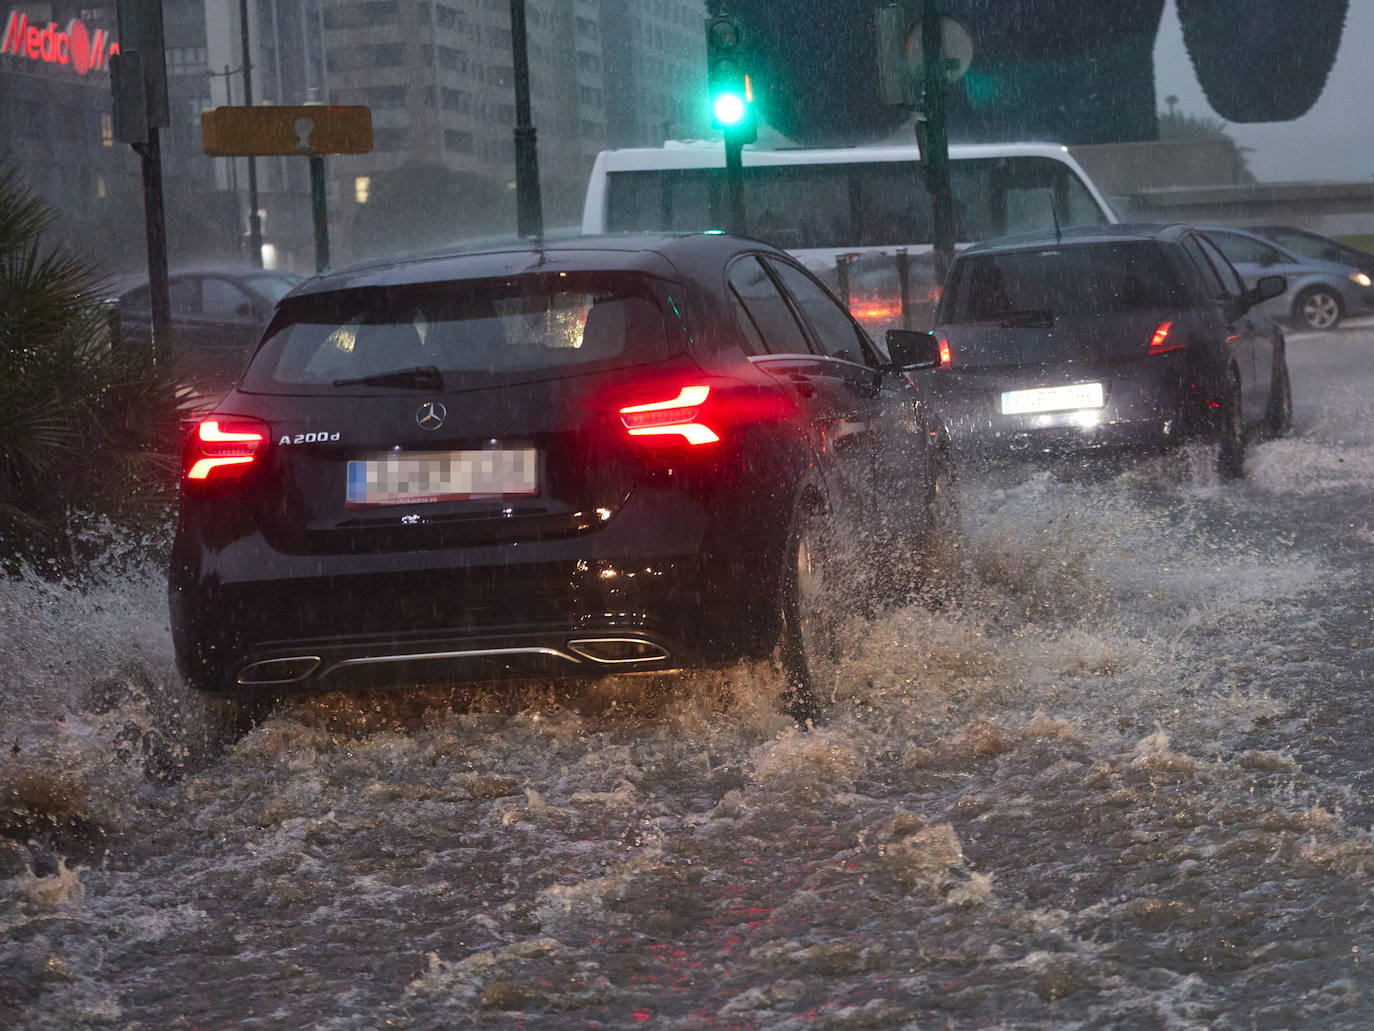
(218,314)
(1104,338)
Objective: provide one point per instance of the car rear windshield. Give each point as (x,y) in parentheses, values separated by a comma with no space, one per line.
(1043,284)
(457,333)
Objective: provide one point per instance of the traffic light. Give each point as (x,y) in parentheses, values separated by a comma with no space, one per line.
(727,77)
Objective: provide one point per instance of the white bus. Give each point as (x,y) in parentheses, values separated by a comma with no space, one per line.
(847,212)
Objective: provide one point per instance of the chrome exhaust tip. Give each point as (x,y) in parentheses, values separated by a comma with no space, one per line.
(279,671)
(614,650)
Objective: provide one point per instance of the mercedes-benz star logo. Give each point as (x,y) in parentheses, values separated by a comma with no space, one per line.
(431,415)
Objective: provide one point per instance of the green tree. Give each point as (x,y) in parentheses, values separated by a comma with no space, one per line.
(1175,125)
(86,425)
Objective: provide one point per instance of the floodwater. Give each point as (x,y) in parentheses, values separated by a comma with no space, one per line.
(1117,777)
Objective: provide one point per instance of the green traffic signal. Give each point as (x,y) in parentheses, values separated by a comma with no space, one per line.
(728,82)
(728,109)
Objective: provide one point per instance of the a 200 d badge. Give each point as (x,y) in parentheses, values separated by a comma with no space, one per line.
(319,437)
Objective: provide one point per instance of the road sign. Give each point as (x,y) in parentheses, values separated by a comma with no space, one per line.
(957,49)
(311,130)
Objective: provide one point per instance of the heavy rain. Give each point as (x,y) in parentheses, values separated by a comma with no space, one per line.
(1108,768)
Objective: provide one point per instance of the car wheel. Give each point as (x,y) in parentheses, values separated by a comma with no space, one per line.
(1318,308)
(1280,416)
(945,505)
(1231,432)
(810,637)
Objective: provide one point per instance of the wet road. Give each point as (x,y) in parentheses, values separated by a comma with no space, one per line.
(1119,778)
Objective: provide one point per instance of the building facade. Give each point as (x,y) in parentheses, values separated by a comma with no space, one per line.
(438,76)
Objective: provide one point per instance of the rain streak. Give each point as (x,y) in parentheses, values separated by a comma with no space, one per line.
(1110,770)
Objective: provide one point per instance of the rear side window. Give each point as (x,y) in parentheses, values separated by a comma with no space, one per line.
(1076,279)
(764,314)
(483,332)
(1244,251)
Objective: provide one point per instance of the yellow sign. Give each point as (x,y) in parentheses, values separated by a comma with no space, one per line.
(307,131)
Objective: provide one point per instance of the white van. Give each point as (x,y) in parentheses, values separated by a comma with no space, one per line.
(848,212)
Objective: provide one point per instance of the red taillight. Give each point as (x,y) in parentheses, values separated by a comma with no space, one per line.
(946,355)
(222,448)
(677,416)
(875,309)
(1160,342)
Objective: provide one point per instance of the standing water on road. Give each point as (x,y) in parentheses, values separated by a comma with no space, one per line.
(1115,778)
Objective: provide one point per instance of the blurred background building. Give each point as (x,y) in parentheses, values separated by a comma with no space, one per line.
(437,74)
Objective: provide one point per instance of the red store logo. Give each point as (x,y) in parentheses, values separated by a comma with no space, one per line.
(72,45)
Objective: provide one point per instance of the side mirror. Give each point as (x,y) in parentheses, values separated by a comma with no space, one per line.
(1267,287)
(913,349)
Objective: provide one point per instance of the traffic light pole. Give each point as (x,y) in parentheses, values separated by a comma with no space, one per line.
(734,182)
(935,151)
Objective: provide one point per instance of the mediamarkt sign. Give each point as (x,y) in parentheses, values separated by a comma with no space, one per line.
(73,45)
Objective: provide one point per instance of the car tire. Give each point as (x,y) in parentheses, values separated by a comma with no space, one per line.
(1280,416)
(1318,308)
(810,640)
(1231,432)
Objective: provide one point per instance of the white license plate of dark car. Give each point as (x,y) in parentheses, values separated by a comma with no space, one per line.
(413,477)
(1052,399)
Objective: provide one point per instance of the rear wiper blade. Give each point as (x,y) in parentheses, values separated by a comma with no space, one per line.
(421,377)
(1032,318)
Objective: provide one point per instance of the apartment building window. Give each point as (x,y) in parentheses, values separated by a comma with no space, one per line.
(388,55)
(588,62)
(452,60)
(589,95)
(390,139)
(586,27)
(456,100)
(387,96)
(381,10)
(498,37)
(457,141)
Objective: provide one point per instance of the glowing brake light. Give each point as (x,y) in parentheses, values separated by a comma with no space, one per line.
(1160,342)
(676,416)
(945,355)
(221,448)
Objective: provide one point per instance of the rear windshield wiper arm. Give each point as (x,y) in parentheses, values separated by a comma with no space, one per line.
(1033,318)
(421,377)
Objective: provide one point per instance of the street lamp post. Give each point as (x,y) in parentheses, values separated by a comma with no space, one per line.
(529,210)
(254,222)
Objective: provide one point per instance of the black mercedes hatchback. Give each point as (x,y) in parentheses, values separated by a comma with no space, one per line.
(600,456)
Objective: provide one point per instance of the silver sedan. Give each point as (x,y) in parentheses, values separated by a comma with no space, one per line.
(1319,294)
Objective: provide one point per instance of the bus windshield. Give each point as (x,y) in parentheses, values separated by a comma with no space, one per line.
(859,204)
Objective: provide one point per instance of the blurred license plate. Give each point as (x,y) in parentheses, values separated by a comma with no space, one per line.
(1052,399)
(409,477)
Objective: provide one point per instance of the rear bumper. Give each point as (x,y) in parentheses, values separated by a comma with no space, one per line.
(1146,406)
(659,587)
